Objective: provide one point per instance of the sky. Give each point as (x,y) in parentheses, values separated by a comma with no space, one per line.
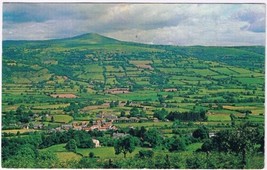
(168,24)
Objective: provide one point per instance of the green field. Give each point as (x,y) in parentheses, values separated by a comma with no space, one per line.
(62,118)
(185,94)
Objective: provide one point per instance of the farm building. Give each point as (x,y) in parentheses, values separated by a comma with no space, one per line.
(79,125)
(119,135)
(96,142)
(122,119)
(66,126)
(143,119)
(117,90)
(38,125)
(170,90)
(134,119)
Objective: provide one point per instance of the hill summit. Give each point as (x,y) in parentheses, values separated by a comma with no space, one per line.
(91,38)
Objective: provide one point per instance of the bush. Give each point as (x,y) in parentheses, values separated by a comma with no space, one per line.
(145,154)
(91,155)
(202,133)
(71,145)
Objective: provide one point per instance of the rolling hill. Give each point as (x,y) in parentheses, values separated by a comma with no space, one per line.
(33,56)
(52,85)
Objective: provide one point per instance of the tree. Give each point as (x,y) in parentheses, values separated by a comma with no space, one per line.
(122,114)
(31,126)
(202,132)
(28,150)
(52,119)
(91,155)
(71,145)
(176,144)
(169,96)
(176,124)
(124,145)
(43,118)
(24,157)
(111,104)
(153,137)
(46,159)
(20,109)
(196,162)
(145,154)
(161,114)
(128,103)
(207,146)
(214,161)
(232,117)
(19,161)
(161,99)
(134,112)
(141,132)
(116,103)
(83,139)
(243,140)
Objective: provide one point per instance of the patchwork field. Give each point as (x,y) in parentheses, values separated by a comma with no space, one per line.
(159,105)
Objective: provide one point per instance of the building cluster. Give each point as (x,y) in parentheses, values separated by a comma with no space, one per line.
(131,119)
(100,125)
(114,118)
(170,90)
(117,90)
(104,122)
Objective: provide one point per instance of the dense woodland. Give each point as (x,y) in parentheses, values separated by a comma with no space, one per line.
(177,107)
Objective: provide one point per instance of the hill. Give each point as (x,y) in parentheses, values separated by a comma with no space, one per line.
(59,56)
(159,94)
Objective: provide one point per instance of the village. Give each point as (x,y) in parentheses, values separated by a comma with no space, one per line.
(104,122)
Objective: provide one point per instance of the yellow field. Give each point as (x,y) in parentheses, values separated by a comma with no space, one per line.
(254,110)
(68,156)
(18,130)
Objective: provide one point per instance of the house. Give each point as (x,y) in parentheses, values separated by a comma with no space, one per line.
(155,119)
(25,126)
(79,125)
(101,126)
(133,119)
(117,90)
(77,128)
(143,119)
(58,129)
(170,90)
(35,115)
(93,127)
(38,126)
(123,119)
(111,117)
(96,142)
(104,127)
(66,126)
(136,104)
(119,135)
(113,128)
(211,134)
(86,129)
(107,126)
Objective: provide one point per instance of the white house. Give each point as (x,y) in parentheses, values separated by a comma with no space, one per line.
(96,142)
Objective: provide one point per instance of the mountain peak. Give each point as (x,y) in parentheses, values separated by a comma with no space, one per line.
(93,38)
(86,35)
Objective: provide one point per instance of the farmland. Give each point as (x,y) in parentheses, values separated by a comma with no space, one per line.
(57,90)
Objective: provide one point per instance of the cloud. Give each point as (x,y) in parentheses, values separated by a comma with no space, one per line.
(255,20)
(178,24)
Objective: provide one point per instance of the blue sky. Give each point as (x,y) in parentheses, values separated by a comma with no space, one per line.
(175,24)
